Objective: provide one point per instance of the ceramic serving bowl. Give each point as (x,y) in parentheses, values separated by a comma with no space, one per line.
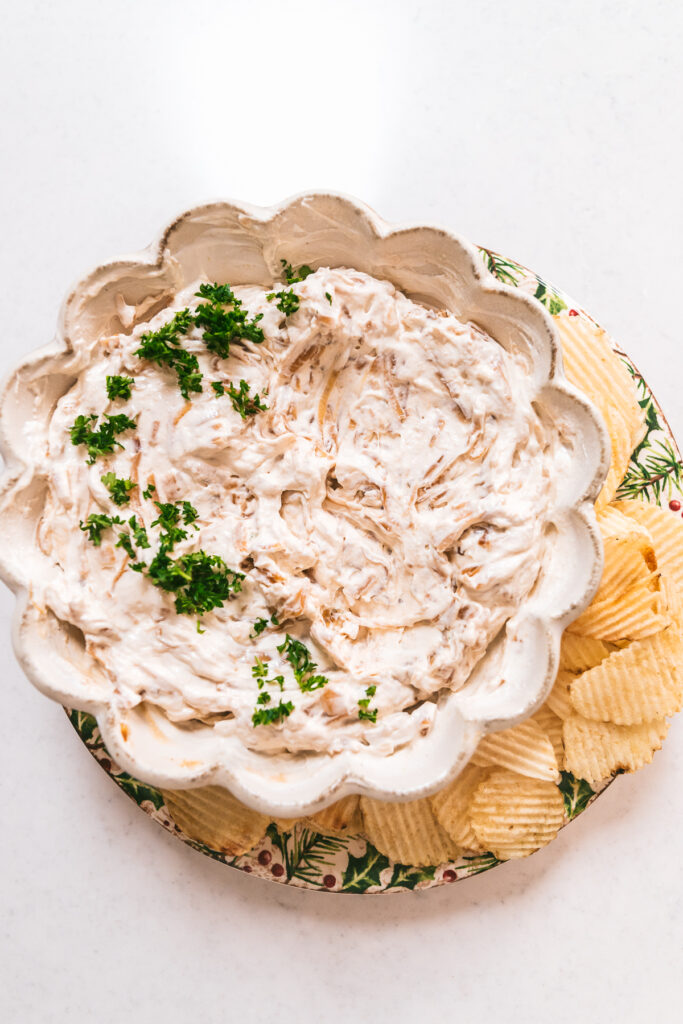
(228,241)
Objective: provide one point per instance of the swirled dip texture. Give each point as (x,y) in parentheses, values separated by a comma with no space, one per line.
(389,507)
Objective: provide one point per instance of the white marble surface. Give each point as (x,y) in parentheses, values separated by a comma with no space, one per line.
(550,131)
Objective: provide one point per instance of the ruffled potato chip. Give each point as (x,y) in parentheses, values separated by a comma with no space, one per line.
(408,833)
(551,724)
(666,530)
(524,749)
(512,815)
(215,817)
(339,819)
(641,610)
(638,684)
(579,653)
(558,698)
(591,364)
(451,805)
(596,750)
(615,524)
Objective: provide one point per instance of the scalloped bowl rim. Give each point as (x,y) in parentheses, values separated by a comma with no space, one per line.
(255,781)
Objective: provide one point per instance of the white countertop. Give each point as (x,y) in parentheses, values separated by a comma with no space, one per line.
(548,131)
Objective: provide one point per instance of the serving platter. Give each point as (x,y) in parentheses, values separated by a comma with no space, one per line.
(305,858)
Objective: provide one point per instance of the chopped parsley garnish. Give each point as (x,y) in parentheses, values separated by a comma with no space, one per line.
(223,326)
(200,582)
(292,276)
(103,440)
(170,513)
(163,348)
(268,715)
(119,387)
(139,533)
(364,709)
(299,657)
(261,624)
(96,523)
(148,491)
(244,403)
(218,387)
(328,297)
(287,303)
(139,537)
(126,543)
(219,293)
(118,488)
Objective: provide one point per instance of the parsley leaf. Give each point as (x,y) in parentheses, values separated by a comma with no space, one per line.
(223,326)
(299,657)
(219,293)
(364,709)
(163,348)
(200,582)
(287,303)
(126,543)
(119,387)
(139,533)
(118,488)
(328,297)
(270,716)
(148,491)
(95,524)
(262,624)
(103,440)
(292,276)
(244,403)
(218,387)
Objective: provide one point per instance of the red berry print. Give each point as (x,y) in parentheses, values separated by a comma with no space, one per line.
(449,875)
(675,505)
(277,870)
(265,857)
(573,312)
(329,881)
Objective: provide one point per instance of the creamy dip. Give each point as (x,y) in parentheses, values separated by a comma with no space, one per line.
(389,508)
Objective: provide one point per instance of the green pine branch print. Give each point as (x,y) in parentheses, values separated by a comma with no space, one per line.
(305,853)
(506,271)
(655,473)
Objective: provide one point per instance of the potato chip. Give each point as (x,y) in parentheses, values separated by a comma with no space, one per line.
(579,653)
(513,815)
(340,818)
(592,365)
(551,724)
(558,698)
(627,564)
(666,529)
(451,805)
(615,524)
(641,610)
(524,749)
(640,683)
(408,833)
(215,817)
(595,750)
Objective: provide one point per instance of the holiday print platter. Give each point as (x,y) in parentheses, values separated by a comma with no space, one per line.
(301,856)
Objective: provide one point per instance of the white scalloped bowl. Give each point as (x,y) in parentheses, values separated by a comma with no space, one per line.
(228,241)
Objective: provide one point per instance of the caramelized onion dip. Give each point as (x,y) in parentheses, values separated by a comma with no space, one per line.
(388,510)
